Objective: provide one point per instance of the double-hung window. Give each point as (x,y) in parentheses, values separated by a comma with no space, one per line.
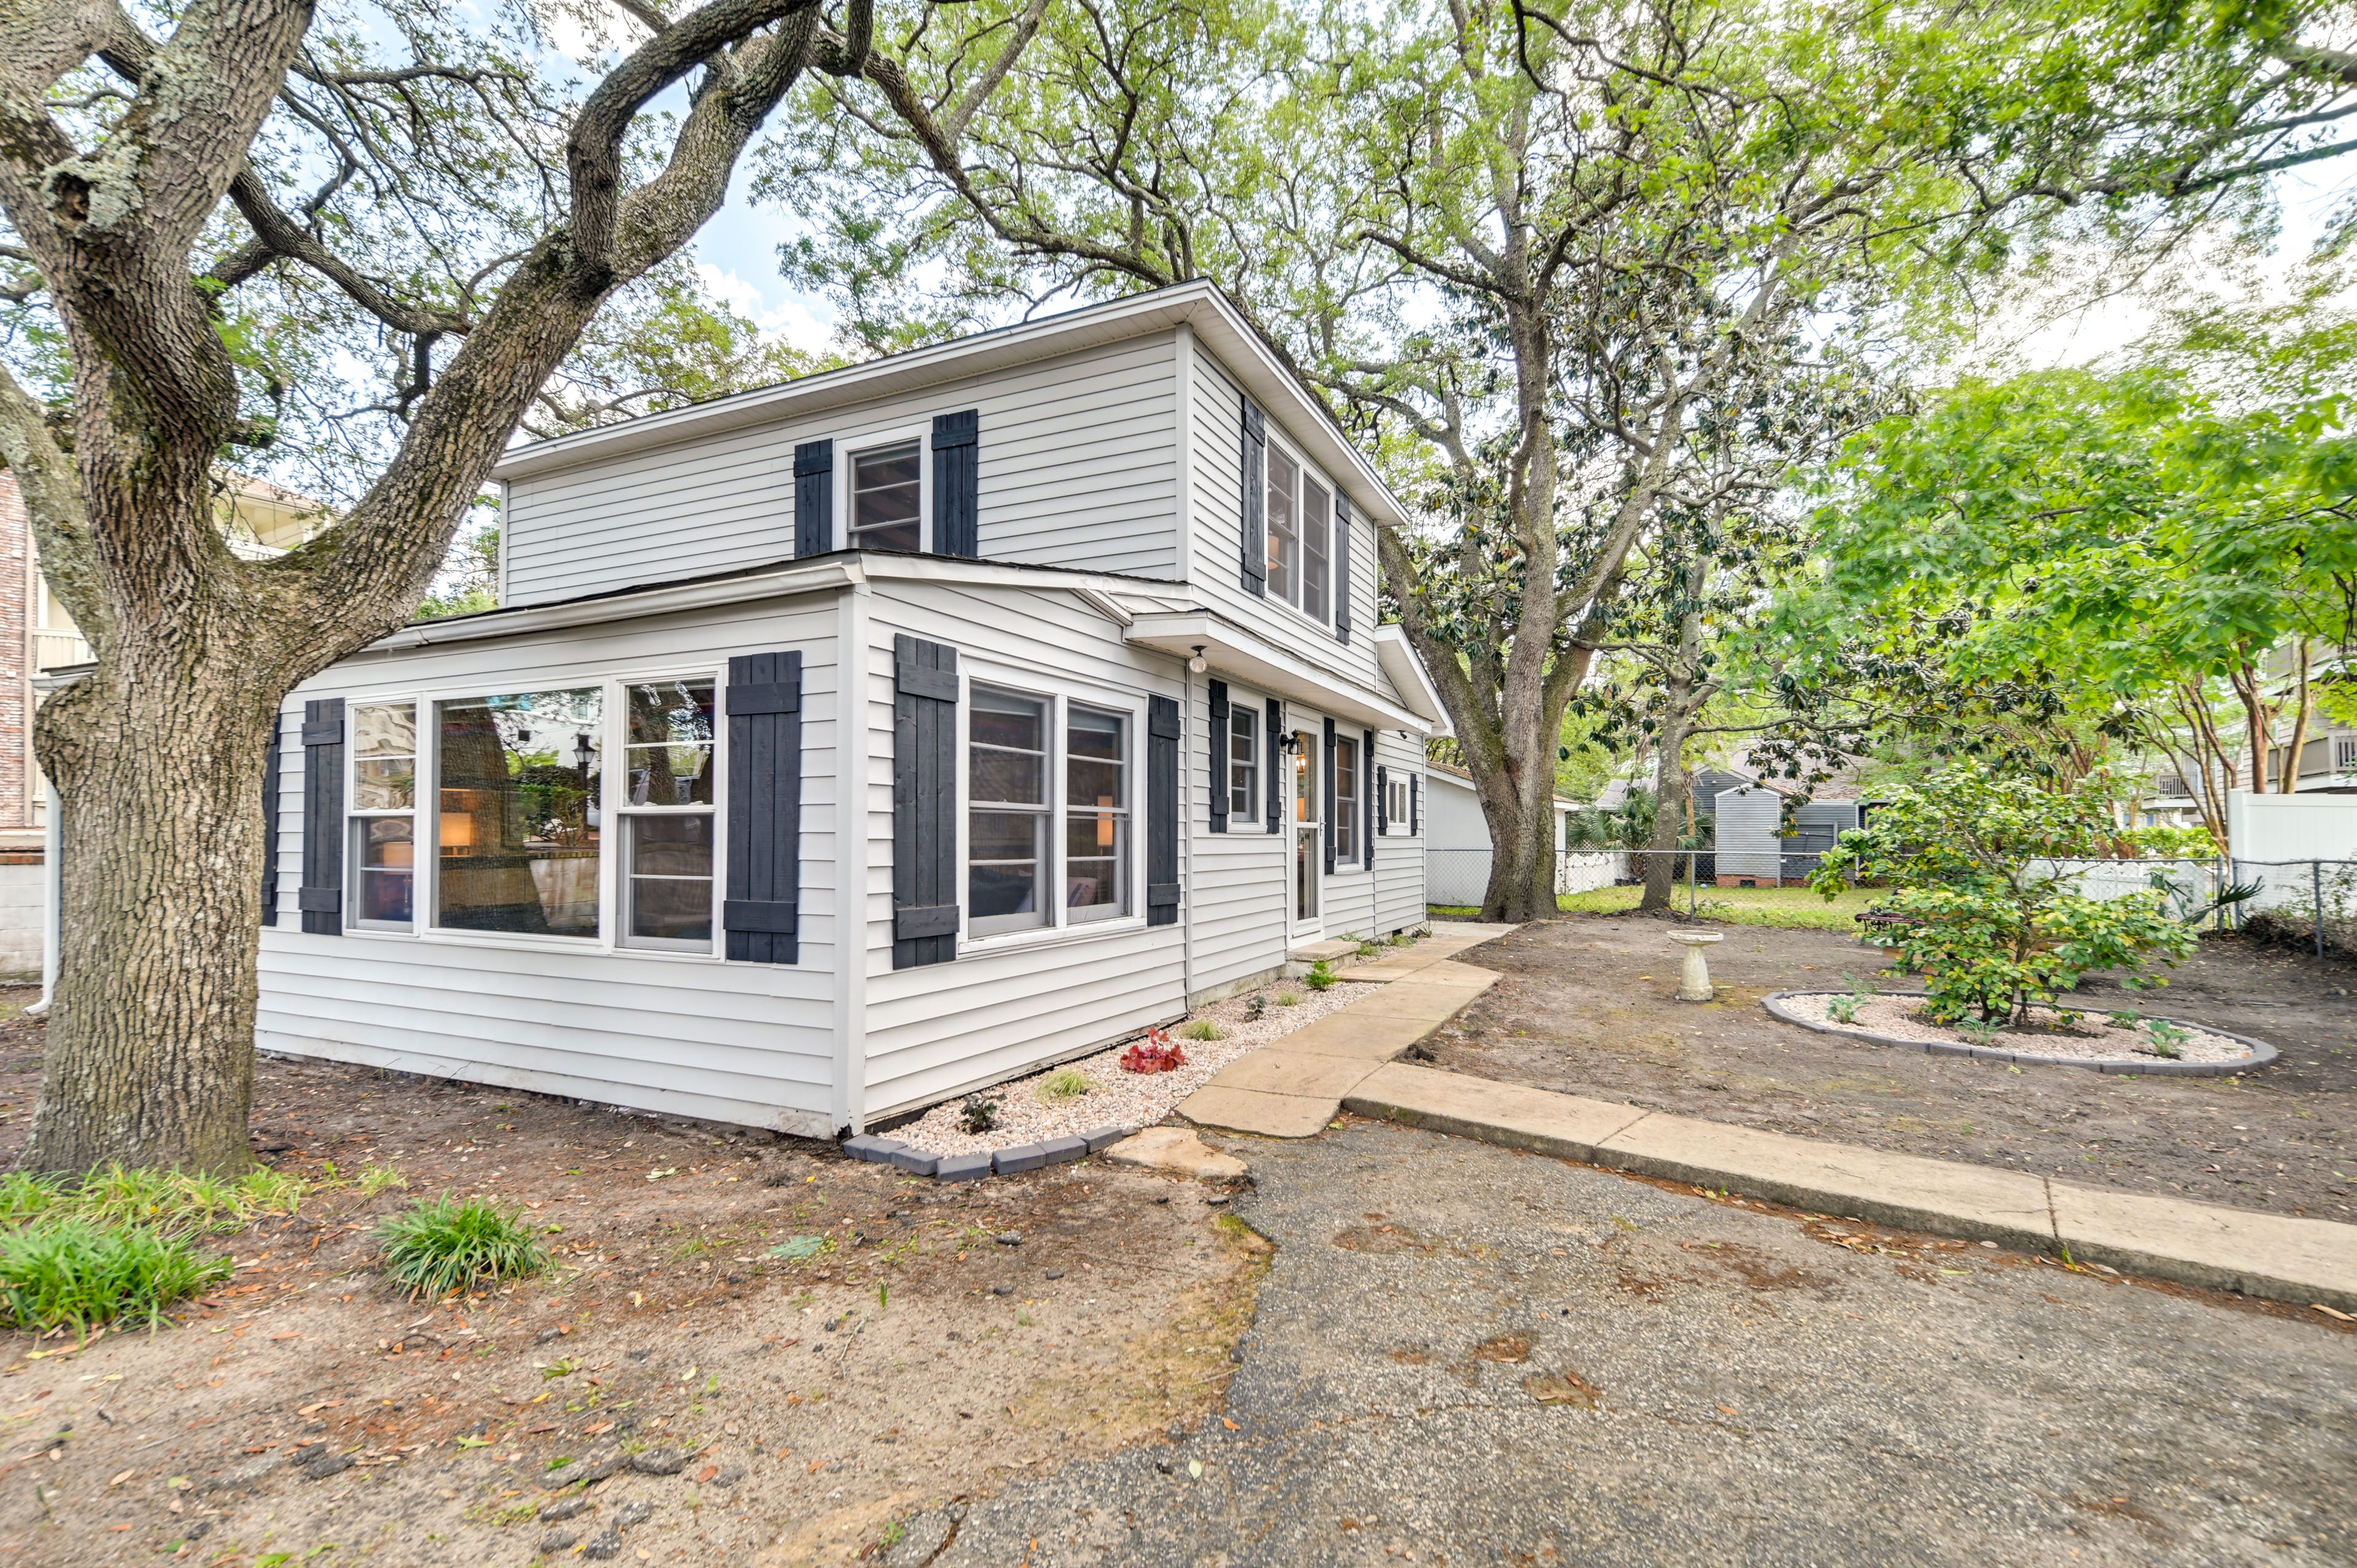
(1346,800)
(383,815)
(1395,806)
(1033,859)
(667,814)
(1243,753)
(1300,528)
(888,498)
(1007,812)
(1096,813)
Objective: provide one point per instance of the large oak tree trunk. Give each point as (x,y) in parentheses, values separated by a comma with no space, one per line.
(159,775)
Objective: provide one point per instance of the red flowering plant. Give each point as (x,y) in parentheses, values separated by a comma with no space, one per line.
(1154,1054)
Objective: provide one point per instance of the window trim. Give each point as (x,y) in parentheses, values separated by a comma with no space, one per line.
(426,815)
(847,448)
(1307,472)
(1252,714)
(1059,692)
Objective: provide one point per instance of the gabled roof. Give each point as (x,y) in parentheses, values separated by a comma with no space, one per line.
(1450,770)
(1200,304)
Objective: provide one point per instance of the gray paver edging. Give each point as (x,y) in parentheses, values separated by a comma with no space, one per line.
(2261,1053)
(988,1162)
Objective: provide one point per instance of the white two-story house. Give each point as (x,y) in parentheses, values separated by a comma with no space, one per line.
(842,746)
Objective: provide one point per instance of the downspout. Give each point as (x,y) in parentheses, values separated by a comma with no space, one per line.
(1186,833)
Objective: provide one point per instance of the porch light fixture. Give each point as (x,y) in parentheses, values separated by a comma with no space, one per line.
(1197,665)
(1291,743)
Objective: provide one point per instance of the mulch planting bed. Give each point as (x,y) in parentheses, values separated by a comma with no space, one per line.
(1586,1005)
(717,1404)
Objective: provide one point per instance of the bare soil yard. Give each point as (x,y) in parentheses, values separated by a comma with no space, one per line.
(1585,1007)
(762,1410)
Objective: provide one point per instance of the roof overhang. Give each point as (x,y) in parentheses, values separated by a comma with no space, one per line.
(818,576)
(1262,665)
(1200,305)
(1406,672)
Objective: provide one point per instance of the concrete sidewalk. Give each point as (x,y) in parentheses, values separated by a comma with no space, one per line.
(1292,1088)
(2303,1262)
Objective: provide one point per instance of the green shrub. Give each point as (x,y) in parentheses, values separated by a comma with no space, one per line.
(1064,1083)
(1991,921)
(442,1245)
(56,1272)
(2168,1039)
(1203,1029)
(1320,976)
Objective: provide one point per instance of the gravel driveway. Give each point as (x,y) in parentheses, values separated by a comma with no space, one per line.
(1586,1006)
(1464,1355)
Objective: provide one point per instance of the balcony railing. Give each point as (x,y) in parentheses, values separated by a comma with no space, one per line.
(55,649)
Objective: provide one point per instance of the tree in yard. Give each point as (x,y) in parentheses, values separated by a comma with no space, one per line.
(1520,251)
(147,167)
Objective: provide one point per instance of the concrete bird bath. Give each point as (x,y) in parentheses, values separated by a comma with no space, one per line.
(1694,975)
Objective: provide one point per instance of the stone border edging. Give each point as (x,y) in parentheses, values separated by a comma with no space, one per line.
(990,1161)
(2261,1053)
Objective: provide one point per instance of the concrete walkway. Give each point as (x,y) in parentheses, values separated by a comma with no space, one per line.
(1294,1087)
(2304,1262)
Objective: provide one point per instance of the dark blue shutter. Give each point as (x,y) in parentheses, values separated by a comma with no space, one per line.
(1383,806)
(924,803)
(957,517)
(1161,812)
(321,898)
(1366,798)
(1328,772)
(1255,500)
(1219,750)
(814,498)
(1414,821)
(1341,566)
(1276,738)
(270,821)
(761,912)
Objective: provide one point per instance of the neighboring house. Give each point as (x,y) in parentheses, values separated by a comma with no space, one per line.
(1754,848)
(842,746)
(1457,843)
(38,639)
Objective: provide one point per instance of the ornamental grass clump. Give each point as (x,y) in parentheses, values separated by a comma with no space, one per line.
(73,1272)
(1987,909)
(439,1245)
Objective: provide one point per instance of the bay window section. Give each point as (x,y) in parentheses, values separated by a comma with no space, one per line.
(1096,814)
(1006,812)
(518,779)
(668,831)
(383,814)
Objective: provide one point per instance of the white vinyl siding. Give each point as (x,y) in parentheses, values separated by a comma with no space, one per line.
(1077,462)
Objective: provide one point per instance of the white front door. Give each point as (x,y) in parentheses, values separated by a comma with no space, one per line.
(1309,852)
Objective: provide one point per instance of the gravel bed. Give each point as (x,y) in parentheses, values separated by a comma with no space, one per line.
(2093,1038)
(1132,1099)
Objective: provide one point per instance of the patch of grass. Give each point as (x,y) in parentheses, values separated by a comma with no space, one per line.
(1203,1029)
(1793,908)
(380,1178)
(59,1271)
(1288,999)
(1064,1083)
(172,1202)
(440,1245)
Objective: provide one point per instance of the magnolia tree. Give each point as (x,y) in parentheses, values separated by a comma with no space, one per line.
(180,182)
(1987,892)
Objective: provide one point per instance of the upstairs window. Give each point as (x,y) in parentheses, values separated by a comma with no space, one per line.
(886,498)
(1300,528)
(1243,756)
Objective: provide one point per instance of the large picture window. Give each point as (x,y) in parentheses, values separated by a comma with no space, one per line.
(667,814)
(1300,527)
(1096,820)
(518,779)
(1006,815)
(383,815)
(1243,771)
(888,498)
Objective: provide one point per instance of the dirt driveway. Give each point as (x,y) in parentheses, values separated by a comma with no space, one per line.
(747,1409)
(1586,1006)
